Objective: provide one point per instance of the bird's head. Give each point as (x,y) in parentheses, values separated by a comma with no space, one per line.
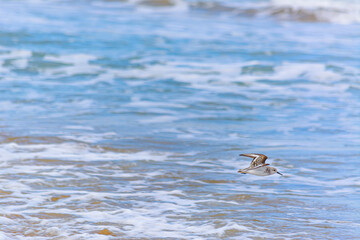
(274,170)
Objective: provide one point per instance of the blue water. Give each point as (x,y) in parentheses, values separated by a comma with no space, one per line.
(130,116)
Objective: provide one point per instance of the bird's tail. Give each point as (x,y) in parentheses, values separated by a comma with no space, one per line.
(241,171)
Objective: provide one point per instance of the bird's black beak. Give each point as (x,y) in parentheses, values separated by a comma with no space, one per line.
(279,173)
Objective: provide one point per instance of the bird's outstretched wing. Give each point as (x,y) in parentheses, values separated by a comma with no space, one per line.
(258,159)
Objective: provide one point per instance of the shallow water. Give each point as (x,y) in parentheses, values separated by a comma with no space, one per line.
(125,119)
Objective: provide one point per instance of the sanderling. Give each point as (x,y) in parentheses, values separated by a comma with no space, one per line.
(258,166)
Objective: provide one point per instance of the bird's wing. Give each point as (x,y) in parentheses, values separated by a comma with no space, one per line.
(258,159)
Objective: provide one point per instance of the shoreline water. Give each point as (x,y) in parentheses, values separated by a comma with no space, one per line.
(122,119)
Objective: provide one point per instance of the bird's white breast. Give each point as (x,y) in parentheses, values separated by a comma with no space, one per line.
(258,171)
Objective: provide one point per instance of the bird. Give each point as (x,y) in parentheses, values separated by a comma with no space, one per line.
(258,166)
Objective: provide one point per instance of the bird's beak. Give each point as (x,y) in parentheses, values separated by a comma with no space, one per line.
(279,173)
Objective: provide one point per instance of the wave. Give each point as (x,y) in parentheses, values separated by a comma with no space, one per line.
(331,11)
(341,12)
(167,5)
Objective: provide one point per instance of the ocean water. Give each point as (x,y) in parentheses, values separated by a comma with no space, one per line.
(125,119)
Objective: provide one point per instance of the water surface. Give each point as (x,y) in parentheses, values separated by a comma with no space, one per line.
(125,119)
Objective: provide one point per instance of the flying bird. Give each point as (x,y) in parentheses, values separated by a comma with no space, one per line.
(258,166)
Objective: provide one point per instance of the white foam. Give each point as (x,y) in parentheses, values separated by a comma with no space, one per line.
(71,151)
(223,78)
(319,4)
(81,59)
(18,59)
(5,220)
(16,54)
(53,231)
(4,236)
(79,64)
(23,107)
(79,127)
(89,137)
